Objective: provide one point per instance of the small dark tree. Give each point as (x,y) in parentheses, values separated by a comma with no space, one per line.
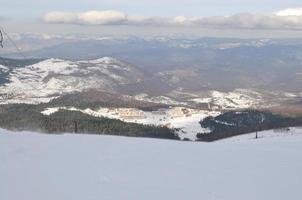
(75,127)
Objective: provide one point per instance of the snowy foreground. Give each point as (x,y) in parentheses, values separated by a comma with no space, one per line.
(77,167)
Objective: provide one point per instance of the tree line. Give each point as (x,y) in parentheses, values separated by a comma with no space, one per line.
(24,117)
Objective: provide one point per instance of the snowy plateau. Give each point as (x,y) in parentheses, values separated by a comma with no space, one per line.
(60,167)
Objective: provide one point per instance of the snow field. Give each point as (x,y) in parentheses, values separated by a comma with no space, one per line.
(60,167)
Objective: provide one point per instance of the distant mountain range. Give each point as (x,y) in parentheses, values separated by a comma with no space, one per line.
(163,81)
(38,81)
(194,64)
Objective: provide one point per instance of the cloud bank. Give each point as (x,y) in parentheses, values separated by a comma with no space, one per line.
(288,19)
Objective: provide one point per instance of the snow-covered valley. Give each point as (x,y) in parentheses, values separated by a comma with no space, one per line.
(38,166)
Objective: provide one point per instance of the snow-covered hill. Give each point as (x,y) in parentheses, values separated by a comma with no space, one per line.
(48,79)
(21,81)
(60,167)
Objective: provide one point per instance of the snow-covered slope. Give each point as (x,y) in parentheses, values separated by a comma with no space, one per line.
(239,98)
(187,123)
(3,69)
(60,167)
(45,80)
(281,132)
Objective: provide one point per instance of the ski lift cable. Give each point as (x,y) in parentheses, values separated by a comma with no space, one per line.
(11,40)
(2,32)
(1,39)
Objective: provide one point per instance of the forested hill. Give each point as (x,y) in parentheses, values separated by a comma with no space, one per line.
(26,117)
(234,123)
(22,117)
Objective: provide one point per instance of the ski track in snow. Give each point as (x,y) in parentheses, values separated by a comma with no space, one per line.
(77,167)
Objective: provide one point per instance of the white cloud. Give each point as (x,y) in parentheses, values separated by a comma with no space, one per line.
(102,17)
(289,19)
(290,12)
(89,17)
(60,17)
(250,21)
